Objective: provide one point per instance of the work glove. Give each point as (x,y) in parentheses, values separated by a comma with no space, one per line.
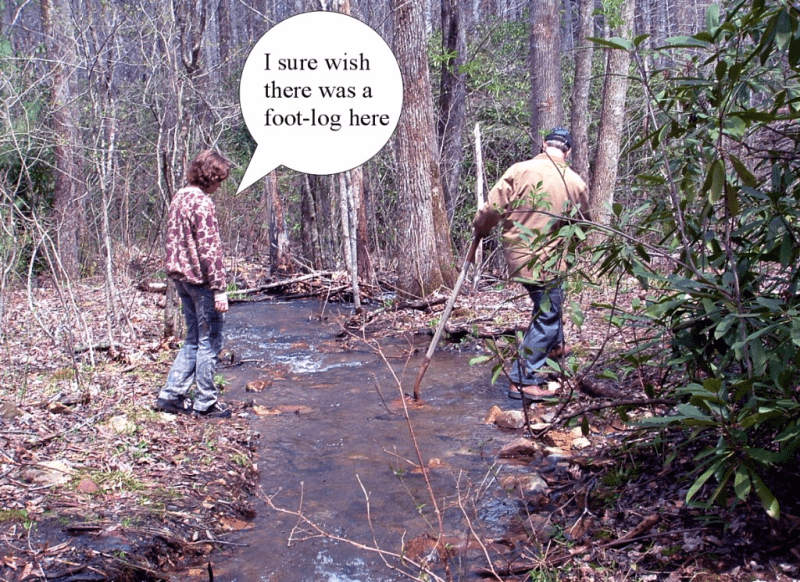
(221,302)
(484,222)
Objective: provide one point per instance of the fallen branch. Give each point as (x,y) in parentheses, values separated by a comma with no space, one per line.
(616,403)
(422,305)
(283,283)
(643,527)
(98,347)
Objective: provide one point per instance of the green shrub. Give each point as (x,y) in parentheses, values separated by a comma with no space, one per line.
(724,206)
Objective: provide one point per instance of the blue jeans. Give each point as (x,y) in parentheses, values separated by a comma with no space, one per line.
(545,333)
(197,360)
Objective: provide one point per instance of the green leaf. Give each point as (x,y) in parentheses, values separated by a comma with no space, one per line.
(717,180)
(744,174)
(692,412)
(741,483)
(616,43)
(498,370)
(576,313)
(651,179)
(721,69)
(796,331)
(712,16)
(768,500)
(724,326)
(685,42)
(794,51)
(787,250)
(731,199)
(759,355)
(480,360)
(713,385)
(701,480)
(585,426)
(783,29)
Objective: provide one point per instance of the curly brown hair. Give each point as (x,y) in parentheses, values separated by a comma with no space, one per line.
(208,169)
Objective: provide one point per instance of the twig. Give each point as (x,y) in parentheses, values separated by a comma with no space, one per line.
(283,283)
(636,533)
(383,400)
(51,436)
(319,532)
(474,534)
(614,404)
(219,542)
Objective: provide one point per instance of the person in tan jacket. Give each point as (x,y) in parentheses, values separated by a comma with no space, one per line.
(525,200)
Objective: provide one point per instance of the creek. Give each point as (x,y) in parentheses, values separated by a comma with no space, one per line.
(336,433)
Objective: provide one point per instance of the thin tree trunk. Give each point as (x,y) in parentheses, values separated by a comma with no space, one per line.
(309,232)
(349,214)
(580,92)
(612,120)
(480,202)
(278,238)
(352,185)
(452,101)
(224,35)
(68,208)
(365,269)
(547,110)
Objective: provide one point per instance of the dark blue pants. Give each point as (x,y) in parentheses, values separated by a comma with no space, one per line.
(545,333)
(197,360)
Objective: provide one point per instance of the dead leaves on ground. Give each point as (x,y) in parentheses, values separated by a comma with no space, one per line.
(83,453)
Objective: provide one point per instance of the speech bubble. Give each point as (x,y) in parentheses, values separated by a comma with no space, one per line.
(321,93)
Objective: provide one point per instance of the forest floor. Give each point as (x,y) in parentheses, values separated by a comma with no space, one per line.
(95,485)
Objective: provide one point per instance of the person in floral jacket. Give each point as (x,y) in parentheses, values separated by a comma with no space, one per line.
(194,264)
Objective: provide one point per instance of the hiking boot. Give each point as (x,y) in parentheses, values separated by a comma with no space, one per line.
(559,351)
(173,406)
(216,410)
(532,393)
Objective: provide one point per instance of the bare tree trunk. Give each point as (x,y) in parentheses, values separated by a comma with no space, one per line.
(69,212)
(547,110)
(480,202)
(224,35)
(278,238)
(309,229)
(365,269)
(349,214)
(452,101)
(580,92)
(612,119)
(427,253)
(351,186)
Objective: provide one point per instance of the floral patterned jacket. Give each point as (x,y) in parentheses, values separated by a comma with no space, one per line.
(194,250)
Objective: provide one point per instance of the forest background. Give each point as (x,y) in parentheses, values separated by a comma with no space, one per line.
(683,113)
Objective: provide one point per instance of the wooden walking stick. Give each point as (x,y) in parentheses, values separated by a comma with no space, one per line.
(446,315)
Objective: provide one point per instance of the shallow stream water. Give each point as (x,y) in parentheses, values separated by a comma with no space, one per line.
(342,432)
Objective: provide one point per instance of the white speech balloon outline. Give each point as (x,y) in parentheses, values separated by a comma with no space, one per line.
(318,26)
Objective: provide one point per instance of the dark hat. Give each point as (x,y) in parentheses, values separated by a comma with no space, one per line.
(560,134)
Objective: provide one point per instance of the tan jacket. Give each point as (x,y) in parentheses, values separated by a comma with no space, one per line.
(540,183)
